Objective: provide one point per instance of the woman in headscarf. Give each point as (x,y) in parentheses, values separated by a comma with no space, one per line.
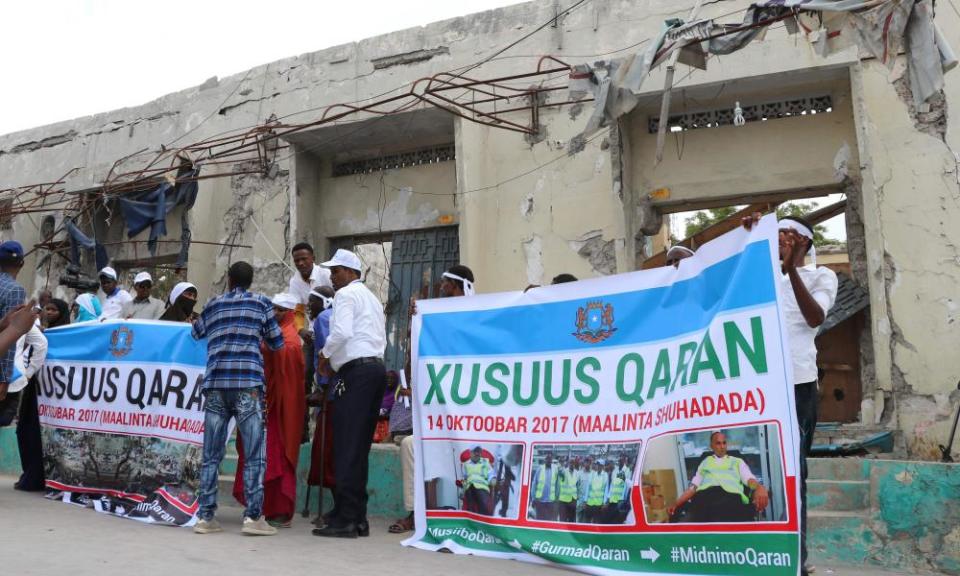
(180,305)
(283,372)
(88,307)
(57,313)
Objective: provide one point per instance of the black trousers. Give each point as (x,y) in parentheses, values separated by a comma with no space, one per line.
(806,398)
(717,505)
(28,440)
(354,421)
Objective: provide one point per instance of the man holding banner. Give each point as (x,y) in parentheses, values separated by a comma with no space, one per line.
(234,324)
(808,294)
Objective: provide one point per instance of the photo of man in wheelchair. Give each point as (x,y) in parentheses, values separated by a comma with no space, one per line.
(732,474)
(724,489)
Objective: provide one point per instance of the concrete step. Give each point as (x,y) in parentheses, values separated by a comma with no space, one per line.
(829,520)
(838,495)
(836,536)
(836,469)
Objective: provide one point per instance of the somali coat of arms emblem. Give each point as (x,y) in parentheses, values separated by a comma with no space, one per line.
(594,322)
(121,342)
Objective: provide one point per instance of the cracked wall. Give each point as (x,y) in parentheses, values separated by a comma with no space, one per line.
(521,226)
(911,203)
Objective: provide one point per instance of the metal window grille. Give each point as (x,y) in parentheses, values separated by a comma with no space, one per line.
(755,113)
(430,155)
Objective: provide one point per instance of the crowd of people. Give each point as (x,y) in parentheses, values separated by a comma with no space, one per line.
(585,490)
(328,330)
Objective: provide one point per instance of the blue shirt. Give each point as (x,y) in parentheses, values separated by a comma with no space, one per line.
(234,324)
(321,329)
(11,296)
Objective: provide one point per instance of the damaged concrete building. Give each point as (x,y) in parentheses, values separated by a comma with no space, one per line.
(520,206)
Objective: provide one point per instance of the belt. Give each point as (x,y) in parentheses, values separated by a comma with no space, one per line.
(359,362)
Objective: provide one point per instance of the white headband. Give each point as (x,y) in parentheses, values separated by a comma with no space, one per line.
(678,248)
(327,301)
(467,285)
(787,224)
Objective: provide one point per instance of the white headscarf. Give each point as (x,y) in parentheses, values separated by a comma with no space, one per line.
(179,289)
(88,303)
(468,289)
(285,300)
(788,223)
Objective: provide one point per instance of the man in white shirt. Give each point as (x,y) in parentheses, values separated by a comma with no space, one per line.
(143,306)
(808,294)
(307,277)
(354,351)
(112,297)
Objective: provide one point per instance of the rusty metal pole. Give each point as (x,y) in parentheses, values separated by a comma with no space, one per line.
(667,90)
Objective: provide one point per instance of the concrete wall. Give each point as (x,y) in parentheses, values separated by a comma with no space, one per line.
(910,205)
(522,225)
(885,513)
(404,199)
(793,157)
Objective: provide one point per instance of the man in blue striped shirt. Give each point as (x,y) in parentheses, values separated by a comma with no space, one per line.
(235,324)
(12,295)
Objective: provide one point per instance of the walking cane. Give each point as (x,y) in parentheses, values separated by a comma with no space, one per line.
(306,502)
(323,452)
(323,433)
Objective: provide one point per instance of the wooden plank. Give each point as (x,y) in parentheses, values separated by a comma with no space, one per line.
(711,232)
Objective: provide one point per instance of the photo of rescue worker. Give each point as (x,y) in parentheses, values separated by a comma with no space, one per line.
(582,483)
(711,476)
(475,477)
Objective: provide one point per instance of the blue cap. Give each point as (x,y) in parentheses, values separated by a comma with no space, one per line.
(11,250)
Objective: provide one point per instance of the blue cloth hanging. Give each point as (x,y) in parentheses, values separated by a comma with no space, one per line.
(80,240)
(149,210)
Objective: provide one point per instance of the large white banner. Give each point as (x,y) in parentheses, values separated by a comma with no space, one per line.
(566,424)
(121,412)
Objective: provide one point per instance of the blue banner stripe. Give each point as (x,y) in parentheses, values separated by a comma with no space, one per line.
(743,280)
(162,342)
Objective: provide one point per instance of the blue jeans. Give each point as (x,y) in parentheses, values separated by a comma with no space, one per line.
(246,406)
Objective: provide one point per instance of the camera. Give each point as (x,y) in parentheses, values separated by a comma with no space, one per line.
(74,278)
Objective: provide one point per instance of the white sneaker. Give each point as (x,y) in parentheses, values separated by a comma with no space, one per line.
(258,527)
(207,526)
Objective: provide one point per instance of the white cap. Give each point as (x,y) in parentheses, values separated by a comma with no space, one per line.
(344,258)
(179,289)
(109,273)
(285,300)
(142,277)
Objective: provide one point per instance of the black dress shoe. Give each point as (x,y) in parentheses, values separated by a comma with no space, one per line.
(363,529)
(342,531)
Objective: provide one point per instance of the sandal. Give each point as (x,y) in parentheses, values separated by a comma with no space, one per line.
(280,522)
(402,525)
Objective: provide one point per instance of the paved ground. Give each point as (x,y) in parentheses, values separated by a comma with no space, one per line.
(43,537)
